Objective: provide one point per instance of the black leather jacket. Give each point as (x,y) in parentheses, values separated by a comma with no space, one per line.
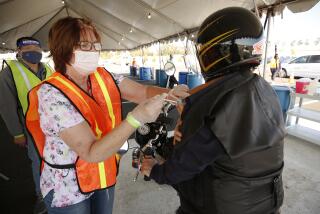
(244,114)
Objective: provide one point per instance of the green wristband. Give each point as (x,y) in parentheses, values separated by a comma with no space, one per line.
(133,121)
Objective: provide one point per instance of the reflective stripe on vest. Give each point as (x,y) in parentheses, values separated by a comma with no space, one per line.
(103,113)
(24,80)
(97,80)
(106,98)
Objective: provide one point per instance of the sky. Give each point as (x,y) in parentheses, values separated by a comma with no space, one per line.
(305,25)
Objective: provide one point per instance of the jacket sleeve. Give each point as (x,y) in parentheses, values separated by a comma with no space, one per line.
(199,151)
(9,107)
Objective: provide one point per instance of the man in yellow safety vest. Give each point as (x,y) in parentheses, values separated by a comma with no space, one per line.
(17,78)
(275,65)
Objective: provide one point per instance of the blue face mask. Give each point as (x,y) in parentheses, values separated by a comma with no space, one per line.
(32,57)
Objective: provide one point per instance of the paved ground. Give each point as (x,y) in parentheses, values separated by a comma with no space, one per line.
(301,177)
(141,197)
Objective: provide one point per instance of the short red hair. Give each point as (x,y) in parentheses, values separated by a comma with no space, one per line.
(64,36)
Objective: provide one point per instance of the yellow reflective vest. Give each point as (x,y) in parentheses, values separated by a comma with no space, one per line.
(25,80)
(275,63)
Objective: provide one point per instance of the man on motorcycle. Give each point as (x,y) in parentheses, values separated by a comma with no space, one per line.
(230,155)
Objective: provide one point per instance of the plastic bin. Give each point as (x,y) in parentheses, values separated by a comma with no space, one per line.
(302,87)
(183,77)
(193,80)
(284,95)
(157,76)
(163,78)
(145,73)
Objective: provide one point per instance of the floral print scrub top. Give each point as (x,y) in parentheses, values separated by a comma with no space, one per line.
(56,114)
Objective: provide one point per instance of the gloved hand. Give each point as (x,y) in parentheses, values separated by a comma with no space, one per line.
(149,110)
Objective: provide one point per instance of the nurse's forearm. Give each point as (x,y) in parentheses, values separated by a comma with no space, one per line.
(110,143)
(152,91)
(81,139)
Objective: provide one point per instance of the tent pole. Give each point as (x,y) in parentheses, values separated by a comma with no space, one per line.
(159,56)
(267,41)
(256,8)
(142,54)
(186,53)
(195,54)
(67,11)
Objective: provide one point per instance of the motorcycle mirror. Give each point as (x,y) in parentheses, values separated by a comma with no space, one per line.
(169,68)
(124,148)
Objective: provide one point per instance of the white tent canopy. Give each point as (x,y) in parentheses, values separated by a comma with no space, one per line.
(123,24)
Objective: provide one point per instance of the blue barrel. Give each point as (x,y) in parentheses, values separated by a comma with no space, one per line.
(145,73)
(163,78)
(284,96)
(158,76)
(193,80)
(183,77)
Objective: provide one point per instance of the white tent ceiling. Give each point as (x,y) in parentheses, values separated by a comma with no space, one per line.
(123,24)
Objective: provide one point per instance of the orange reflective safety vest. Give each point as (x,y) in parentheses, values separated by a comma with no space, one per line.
(102,111)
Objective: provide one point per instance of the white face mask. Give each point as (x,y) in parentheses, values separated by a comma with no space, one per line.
(86,62)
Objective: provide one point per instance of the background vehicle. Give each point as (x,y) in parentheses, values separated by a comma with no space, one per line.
(303,66)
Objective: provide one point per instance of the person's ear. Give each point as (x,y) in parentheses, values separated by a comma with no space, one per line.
(18,53)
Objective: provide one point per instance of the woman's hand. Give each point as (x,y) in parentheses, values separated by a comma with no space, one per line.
(179,92)
(149,110)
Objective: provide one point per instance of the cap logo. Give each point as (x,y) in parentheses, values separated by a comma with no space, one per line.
(28,42)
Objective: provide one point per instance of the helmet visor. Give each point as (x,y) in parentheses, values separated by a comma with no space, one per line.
(210,57)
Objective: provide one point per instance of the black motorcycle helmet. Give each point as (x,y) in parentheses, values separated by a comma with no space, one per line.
(228,39)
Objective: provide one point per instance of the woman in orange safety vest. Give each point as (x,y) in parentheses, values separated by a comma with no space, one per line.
(75,120)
